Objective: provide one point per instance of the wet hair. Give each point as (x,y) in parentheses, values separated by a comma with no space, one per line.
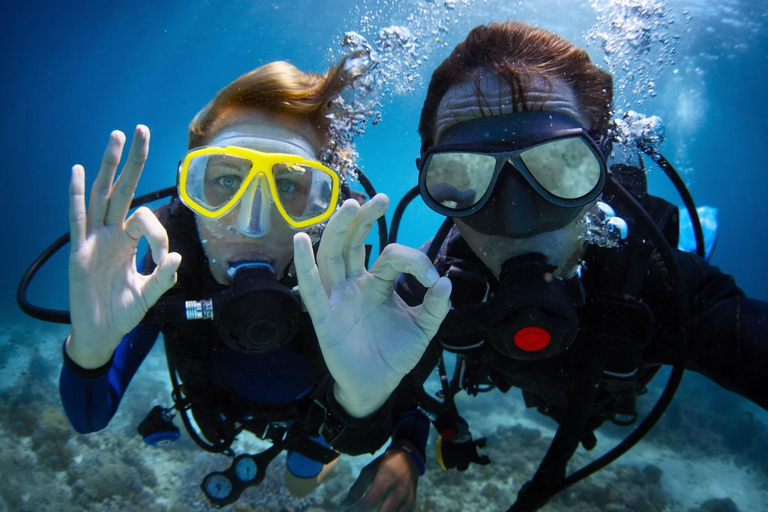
(278,87)
(515,51)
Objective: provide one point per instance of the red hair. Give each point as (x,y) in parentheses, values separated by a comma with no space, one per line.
(277,87)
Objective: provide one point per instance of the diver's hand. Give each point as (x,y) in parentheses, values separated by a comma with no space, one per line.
(108,297)
(369,337)
(387,484)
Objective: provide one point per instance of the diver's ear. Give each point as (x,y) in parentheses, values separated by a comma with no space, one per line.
(418,163)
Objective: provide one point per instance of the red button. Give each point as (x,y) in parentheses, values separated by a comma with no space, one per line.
(532,338)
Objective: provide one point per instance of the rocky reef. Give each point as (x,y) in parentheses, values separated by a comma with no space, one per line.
(702,457)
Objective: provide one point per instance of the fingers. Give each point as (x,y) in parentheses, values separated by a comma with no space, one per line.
(382,498)
(77,217)
(371,493)
(397,259)
(330,255)
(396,502)
(144,223)
(122,192)
(310,285)
(354,250)
(437,303)
(162,278)
(102,186)
(361,485)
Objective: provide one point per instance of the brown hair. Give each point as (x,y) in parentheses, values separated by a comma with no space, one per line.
(277,87)
(515,51)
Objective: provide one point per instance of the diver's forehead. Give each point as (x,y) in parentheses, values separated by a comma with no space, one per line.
(265,138)
(460,102)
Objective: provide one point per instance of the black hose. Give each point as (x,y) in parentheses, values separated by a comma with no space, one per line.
(182,405)
(685,194)
(382,222)
(440,237)
(397,217)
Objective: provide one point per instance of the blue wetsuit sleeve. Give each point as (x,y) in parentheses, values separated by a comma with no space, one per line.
(91,397)
(412,426)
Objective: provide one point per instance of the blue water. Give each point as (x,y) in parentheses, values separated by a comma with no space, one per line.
(74,71)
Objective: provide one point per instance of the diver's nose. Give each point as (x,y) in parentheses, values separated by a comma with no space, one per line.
(514,202)
(254,217)
(512,208)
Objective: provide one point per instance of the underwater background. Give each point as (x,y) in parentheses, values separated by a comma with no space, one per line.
(74,71)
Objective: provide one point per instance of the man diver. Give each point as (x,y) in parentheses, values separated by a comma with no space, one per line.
(515,141)
(255,190)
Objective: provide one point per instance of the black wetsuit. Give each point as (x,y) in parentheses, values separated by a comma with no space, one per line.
(728,332)
(729,338)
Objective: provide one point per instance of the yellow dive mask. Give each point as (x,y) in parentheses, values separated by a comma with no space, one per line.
(213,180)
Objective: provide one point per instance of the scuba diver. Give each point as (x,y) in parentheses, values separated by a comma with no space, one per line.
(260,334)
(567,280)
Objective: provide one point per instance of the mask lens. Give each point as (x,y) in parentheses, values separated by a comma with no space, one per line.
(304,192)
(212,180)
(459,180)
(566,168)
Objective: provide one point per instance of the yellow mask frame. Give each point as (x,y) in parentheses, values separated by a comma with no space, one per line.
(261,164)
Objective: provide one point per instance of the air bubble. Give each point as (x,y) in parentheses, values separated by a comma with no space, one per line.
(600,227)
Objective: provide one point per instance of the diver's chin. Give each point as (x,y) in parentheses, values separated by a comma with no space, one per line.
(558,246)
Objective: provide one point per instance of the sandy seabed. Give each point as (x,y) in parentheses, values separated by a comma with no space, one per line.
(708,454)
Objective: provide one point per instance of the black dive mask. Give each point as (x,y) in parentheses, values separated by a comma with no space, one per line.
(257,313)
(513,175)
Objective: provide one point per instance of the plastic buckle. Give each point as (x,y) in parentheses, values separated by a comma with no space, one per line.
(330,428)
